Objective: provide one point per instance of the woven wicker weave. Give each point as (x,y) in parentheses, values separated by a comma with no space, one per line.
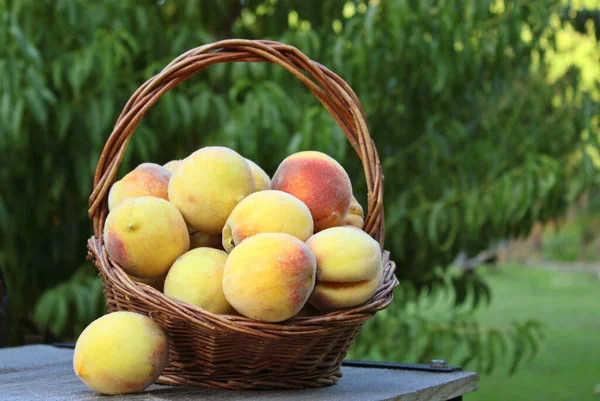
(233,352)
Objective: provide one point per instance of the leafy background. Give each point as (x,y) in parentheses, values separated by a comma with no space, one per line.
(483,125)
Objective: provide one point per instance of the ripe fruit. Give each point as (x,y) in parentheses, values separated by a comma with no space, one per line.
(145,235)
(172,165)
(267,212)
(261,179)
(217,200)
(320,182)
(196,277)
(147,179)
(269,277)
(119,353)
(207,185)
(355,215)
(349,268)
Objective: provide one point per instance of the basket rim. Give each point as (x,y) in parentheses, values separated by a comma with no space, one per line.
(291,327)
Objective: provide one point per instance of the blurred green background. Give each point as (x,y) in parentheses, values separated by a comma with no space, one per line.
(485,115)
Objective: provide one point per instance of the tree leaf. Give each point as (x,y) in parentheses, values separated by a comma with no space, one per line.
(80,296)
(453,232)
(184,110)
(60,313)
(432,222)
(17,120)
(37,107)
(63,119)
(518,348)
(44,309)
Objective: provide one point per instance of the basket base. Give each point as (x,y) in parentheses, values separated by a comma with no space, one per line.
(237,353)
(313,381)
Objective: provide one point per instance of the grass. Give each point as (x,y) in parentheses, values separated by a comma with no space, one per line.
(567,366)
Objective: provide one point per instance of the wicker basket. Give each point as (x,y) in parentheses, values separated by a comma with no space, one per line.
(233,352)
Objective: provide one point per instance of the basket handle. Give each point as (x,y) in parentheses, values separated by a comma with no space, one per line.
(333,93)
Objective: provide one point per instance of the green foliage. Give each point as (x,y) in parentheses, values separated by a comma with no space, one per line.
(409,331)
(564,243)
(475,142)
(582,19)
(70,306)
(577,237)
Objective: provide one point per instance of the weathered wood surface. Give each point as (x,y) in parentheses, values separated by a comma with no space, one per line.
(40,372)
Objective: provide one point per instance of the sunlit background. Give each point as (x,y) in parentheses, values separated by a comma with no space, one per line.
(485,115)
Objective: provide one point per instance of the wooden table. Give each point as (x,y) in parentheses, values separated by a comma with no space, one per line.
(43,372)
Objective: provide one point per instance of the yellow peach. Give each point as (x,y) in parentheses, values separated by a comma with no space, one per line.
(355,215)
(119,353)
(320,182)
(330,296)
(269,277)
(203,240)
(196,277)
(261,179)
(145,235)
(349,268)
(147,179)
(208,185)
(172,165)
(267,212)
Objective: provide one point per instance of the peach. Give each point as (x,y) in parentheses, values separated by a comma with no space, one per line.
(145,235)
(196,277)
(320,182)
(355,215)
(147,179)
(157,283)
(203,240)
(207,186)
(349,268)
(331,296)
(261,179)
(269,277)
(267,212)
(119,353)
(172,165)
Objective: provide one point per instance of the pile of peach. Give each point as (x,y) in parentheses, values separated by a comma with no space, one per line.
(215,231)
